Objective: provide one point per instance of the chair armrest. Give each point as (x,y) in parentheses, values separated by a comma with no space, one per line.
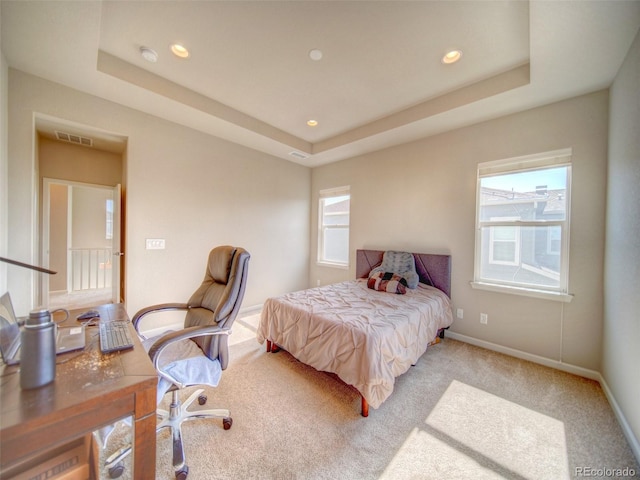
(162,307)
(191,332)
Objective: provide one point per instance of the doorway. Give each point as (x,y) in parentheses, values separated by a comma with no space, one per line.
(81,242)
(80,170)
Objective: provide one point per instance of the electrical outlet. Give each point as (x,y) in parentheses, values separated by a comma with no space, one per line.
(318,282)
(484,318)
(460,313)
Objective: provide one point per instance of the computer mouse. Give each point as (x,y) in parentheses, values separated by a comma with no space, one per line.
(88,315)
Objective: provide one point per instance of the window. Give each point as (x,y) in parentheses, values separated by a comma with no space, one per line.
(109,219)
(522,225)
(333,229)
(504,245)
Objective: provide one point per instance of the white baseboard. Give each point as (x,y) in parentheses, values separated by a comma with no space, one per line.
(252,310)
(547,362)
(565,367)
(626,428)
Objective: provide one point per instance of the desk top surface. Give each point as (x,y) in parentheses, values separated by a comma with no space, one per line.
(84,379)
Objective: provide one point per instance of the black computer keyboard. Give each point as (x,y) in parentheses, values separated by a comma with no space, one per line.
(115,336)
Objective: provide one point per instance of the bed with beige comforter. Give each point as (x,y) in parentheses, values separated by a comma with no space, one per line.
(365,337)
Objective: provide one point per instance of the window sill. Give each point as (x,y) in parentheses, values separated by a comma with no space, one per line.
(527,292)
(333,265)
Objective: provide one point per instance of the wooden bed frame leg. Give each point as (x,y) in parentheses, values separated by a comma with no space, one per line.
(272,347)
(365,407)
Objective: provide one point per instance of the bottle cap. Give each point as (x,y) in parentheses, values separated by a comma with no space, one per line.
(38,316)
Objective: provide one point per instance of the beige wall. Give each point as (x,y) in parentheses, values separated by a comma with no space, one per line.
(421,196)
(621,336)
(74,163)
(191,189)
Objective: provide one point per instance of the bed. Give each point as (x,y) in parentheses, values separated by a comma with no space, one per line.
(364,336)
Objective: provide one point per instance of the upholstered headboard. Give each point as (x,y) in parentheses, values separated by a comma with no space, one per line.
(433,269)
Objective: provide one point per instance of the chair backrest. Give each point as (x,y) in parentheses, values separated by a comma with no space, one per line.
(217,301)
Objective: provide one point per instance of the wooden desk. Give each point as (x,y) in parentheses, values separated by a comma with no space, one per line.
(91,390)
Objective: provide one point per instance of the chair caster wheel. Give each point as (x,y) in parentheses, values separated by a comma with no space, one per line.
(227,422)
(182,473)
(116,471)
(202,399)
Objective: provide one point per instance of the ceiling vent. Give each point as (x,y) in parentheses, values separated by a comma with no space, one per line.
(77,139)
(299,155)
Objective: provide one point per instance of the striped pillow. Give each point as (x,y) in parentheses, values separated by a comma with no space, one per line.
(387,282)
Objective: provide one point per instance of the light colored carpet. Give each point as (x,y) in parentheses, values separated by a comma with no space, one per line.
(461,412)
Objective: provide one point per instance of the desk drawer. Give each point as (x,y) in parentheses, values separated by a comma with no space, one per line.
(69,462)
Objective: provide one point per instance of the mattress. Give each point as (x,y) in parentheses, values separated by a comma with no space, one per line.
(366,337)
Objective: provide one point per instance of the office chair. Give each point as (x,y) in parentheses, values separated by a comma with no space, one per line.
(197,354)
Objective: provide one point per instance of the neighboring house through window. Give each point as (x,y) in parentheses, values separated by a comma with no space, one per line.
(504,243)
(522,225)
(333,228)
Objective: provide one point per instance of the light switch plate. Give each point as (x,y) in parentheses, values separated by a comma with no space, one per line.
(155,244)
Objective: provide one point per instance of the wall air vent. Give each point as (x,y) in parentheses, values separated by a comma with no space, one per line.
(299,155)
(77,139)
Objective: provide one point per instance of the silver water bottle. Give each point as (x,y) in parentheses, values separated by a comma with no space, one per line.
(38,350)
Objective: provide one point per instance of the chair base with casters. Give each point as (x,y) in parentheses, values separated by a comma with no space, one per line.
(173,419)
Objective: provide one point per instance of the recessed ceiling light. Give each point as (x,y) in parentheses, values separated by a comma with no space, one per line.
(312,123)
(452,56)
(315,54)
(148,54)
(179,50)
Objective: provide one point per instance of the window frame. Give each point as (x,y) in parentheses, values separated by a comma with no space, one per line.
(322,228)
(547,160)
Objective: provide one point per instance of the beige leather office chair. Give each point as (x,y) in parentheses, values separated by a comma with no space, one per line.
(197,354)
